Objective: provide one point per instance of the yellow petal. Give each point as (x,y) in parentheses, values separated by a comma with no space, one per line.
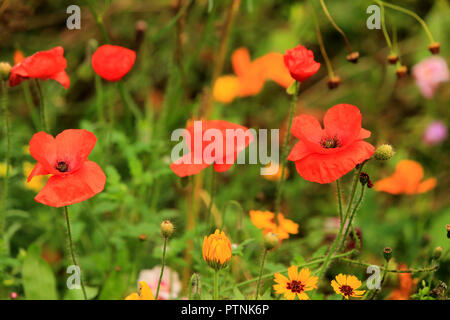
(293,273)
(289,295)
(133,296)
(341,279)
(145,291)
(353,282)
(336,287)
(303,296)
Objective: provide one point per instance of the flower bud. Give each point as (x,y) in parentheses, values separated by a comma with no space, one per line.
(392,58)
(5,70)
(13,295)
(448,231)
(353,57)
(434,47)
(270,241)
(333,82)
(384,152)
(437,253)
(142,237)
(216,250)
(167,229)
(387,253)
(365,179)
(401,71)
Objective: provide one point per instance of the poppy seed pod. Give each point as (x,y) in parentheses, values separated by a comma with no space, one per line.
(5,70)
(434,47)
(384,152)
(401,71)
(353,57)
(217,250)
(167,229)
(437,253)
(448,231)
(333,82)
(392,58)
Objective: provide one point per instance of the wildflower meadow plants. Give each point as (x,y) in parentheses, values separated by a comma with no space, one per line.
(125,139)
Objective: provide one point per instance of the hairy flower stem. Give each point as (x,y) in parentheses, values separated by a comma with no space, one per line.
(285,147)
(383,27)
(72,250)
(417,270)
(44,122)
(4,101)
(216,285)
(212,194)
(321,45)
(410,13)
(339,194)
(260,273)
(162,267)
(355,209)
(99,20)
(325,10)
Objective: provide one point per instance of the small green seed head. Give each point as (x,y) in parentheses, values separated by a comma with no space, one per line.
(384,152)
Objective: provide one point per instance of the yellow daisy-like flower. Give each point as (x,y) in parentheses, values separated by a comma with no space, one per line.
(297,284)
(346,285)
(216,249)
(38,182)
(145,293)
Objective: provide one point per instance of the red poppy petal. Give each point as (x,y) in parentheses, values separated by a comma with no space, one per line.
(74,146)
(326,168)
(343,121)
(38,170)
(45,64)
(222,167)
(363,134)
(185,166)
(43,149)
(299,151)
(73,188)
(62,78)
(113,62)
(308,129)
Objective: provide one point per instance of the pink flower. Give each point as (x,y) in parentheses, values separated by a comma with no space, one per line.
(170,286)
(435,133)
(429,74)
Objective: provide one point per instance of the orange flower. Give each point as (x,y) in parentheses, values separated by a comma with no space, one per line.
(403,292)
(250,76)
(217,250)
(18,57)
(297,284)
(276,176)
(346,286)
(406,180)
(266,220)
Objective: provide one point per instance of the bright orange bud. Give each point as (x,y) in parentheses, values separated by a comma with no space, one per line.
(18,57)
(217,250)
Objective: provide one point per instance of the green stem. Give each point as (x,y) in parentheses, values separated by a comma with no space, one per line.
(72,249)
(321,45)
(410,13)
(260,273)
(355,209)
(44,122)
(162,267)
(339,192)
(327,14)
(383,27)
(285,147)
(417,270)
(216,285)
(212,194)
(7,158)
(99,20)
(30,104)
(128,102)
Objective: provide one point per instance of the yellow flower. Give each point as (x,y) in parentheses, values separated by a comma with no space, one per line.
(346,285)
(266,220)
(38,182)
(217,250)
(296,285)
(226,88)
(276,176)
(3,169)
(145,293)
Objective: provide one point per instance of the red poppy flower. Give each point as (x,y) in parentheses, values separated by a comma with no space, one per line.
(112,63)
(42,65)
(325,155)
(300,63)
(74,178)
(206,150)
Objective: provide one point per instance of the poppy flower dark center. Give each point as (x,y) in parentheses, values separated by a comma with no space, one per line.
(62,166)
(346,290)
(330,142)
(295,286)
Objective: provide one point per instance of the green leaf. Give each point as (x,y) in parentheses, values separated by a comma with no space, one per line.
(38,279)
(238,294)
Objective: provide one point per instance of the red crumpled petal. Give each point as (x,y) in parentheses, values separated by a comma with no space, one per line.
(73,188)
(326,168)
(112,63)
